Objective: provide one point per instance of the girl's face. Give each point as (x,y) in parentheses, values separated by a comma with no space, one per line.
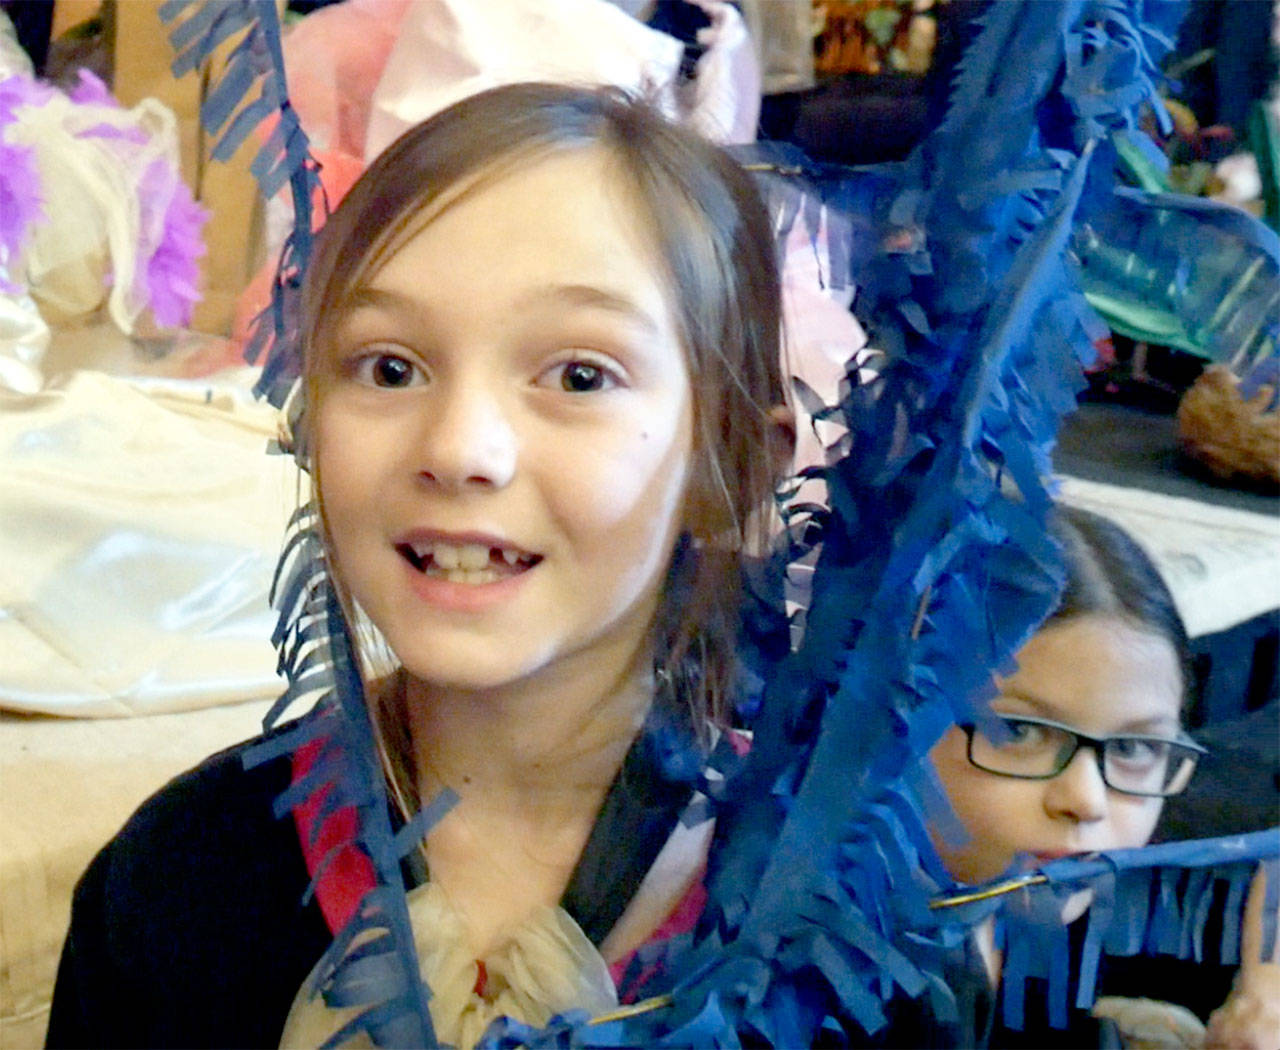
(1095,673)
(504,430)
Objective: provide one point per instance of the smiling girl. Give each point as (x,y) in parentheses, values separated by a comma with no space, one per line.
(542,415)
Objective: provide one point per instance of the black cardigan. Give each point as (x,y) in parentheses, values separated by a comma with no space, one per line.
(188,928)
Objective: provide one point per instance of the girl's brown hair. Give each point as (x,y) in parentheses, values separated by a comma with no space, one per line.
(715,238)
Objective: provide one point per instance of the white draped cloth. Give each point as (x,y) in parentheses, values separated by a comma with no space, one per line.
(140,522)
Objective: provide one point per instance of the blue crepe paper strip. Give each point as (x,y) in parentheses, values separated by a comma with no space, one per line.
(1154,900)
(201,27)
(858,753)
(317,659)
(312,635)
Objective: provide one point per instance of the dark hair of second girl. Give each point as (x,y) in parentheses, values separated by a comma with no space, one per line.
(1109,573)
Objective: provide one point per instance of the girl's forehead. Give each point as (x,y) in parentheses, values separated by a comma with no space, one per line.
(1101,671)
(562,229)
(532,176)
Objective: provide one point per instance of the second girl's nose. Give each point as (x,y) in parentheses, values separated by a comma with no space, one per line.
(468,441)
(1078,793)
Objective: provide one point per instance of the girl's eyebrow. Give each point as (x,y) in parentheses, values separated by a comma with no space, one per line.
(1157,725)
(1154,724)
(590,296)
(369,297)
(1044,708)
(587,296)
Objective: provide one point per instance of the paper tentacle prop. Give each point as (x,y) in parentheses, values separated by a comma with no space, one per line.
(931,565)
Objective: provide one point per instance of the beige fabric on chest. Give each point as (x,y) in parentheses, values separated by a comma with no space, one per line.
(546,966)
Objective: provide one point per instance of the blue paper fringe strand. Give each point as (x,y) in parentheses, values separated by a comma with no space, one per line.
(313,640)
(931,567)
(201,28)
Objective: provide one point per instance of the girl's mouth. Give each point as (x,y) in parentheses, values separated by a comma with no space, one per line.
(468,563)
(1049,856)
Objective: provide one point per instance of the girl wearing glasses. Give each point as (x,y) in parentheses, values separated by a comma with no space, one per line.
(1089,738)
(1086,745)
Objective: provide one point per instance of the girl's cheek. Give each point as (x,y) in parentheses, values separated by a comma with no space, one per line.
(1140,821)
(636,478)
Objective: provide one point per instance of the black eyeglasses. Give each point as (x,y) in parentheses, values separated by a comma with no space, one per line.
(1037,749)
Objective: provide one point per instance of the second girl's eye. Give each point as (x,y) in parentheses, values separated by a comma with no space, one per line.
(1023,734)
(1137,751)
(387,370)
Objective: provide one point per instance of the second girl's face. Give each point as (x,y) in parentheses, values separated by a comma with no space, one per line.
(1096,673)
(504,430)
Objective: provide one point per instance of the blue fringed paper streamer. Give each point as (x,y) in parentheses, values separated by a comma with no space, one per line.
(1151,901)
(926,572)
(313,640)
(200,28)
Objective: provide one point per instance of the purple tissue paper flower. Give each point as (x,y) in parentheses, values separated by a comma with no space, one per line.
(21,203)
(92,91)
(169,238)
(18,91)
(171,233)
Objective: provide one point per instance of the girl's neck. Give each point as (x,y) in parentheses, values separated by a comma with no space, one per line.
(545,747)
(531,765)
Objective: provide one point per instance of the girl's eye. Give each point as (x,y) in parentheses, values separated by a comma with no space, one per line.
(1137,751)
(1023,734)
(388,370)
(580,376)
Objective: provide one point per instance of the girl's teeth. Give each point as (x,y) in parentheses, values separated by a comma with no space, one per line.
(472,576)
(468,562)
(472,556)
(469,556)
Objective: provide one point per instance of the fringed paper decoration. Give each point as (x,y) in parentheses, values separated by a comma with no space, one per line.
(929,560)
(1157,900)
(228,112)
(933,564)
(371,962)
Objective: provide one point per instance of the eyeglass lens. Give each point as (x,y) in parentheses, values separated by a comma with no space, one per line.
(1137,765)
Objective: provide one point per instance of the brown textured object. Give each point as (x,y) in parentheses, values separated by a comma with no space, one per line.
(1233,437)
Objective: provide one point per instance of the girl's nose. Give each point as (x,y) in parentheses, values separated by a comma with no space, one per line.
(469,441)
(1078,793)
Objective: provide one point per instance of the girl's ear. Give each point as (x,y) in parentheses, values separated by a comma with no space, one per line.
(708,510)
(782,440)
